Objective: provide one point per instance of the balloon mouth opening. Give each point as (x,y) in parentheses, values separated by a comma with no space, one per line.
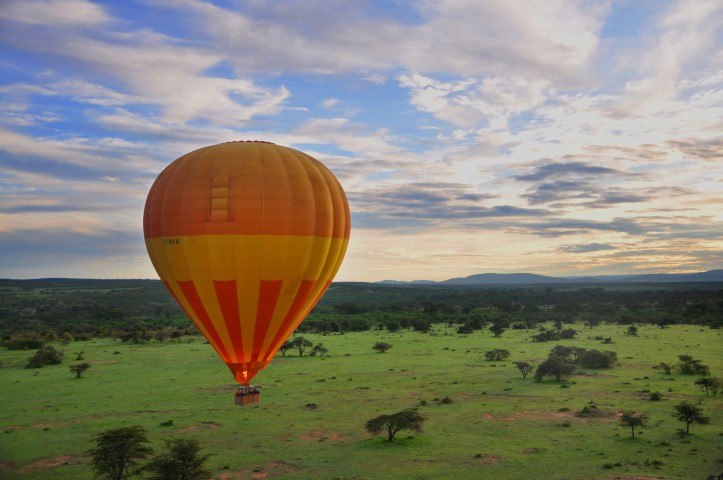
(244,372)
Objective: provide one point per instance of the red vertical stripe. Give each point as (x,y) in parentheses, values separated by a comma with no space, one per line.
(191,294)
(228,300)
(293,315)
(268,295)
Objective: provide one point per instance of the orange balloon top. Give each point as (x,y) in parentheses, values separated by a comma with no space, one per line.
(246,188)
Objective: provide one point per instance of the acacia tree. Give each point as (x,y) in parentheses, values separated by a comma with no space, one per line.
(497,329)
(117,452)
(181,461)
(497,354)
(633,419)
(709,384)
(79,368)
(685,412)
(301,344)
(665,367)
(408,419)
(382,347)
(288,345)
(525,368)
(319,349)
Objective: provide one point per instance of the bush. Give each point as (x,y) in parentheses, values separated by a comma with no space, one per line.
(597,359)
(552,335)
(47,355)
(655,396)
(23,343)
(690,366)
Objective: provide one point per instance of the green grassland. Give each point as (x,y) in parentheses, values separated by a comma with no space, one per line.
(498,426)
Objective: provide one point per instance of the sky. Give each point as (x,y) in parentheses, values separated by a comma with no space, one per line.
(554,137)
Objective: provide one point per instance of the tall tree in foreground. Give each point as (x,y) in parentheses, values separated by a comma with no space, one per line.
(685,412)
(633,419)
(117,452)
(181,461)
(391,424)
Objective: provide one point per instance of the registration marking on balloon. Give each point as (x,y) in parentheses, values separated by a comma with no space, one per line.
(247,237)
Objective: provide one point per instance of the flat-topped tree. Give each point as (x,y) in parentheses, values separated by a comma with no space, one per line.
(408,419)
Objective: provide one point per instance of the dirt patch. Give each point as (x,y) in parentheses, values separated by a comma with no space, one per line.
(267,471)
(322,435)
(48,463)
(531,450)
(201,426)
(7,465)
(488,458)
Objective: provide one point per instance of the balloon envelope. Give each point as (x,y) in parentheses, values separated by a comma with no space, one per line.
(247,237)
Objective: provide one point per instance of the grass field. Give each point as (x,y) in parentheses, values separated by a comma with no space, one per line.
(498,425)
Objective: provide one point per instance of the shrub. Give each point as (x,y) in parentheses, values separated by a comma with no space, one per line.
(382,347)
(655,396)
(597,359)
(46,355)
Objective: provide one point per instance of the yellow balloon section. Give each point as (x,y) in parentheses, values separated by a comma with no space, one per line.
(247,237)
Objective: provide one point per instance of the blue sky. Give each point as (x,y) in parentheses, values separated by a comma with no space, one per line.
(562,138)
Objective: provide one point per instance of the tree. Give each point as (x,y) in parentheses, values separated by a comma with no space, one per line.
(632,330)
(665,367)
(633,419)
(66,339)
(382,347)
(180,461)
(408,419)
(525,368)
(554,367)
(497,329)
(497,354)
(117,452)
(709,384)
(46,355)
(288,345)
(685,412)
(690,366)
(319,349)
(79,368)
(421,325)
(301,344)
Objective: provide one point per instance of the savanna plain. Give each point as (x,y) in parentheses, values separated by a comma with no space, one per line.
(482,418)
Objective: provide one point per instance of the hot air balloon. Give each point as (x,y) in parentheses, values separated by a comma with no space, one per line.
(247,237)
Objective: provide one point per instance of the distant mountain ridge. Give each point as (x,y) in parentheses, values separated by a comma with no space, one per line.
(534,279)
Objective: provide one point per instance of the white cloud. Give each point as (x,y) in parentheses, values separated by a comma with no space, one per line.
(61,13)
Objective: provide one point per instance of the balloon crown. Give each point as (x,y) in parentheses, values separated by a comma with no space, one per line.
(249,141)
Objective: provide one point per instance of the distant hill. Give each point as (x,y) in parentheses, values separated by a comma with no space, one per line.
(534,279)
(501,278)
